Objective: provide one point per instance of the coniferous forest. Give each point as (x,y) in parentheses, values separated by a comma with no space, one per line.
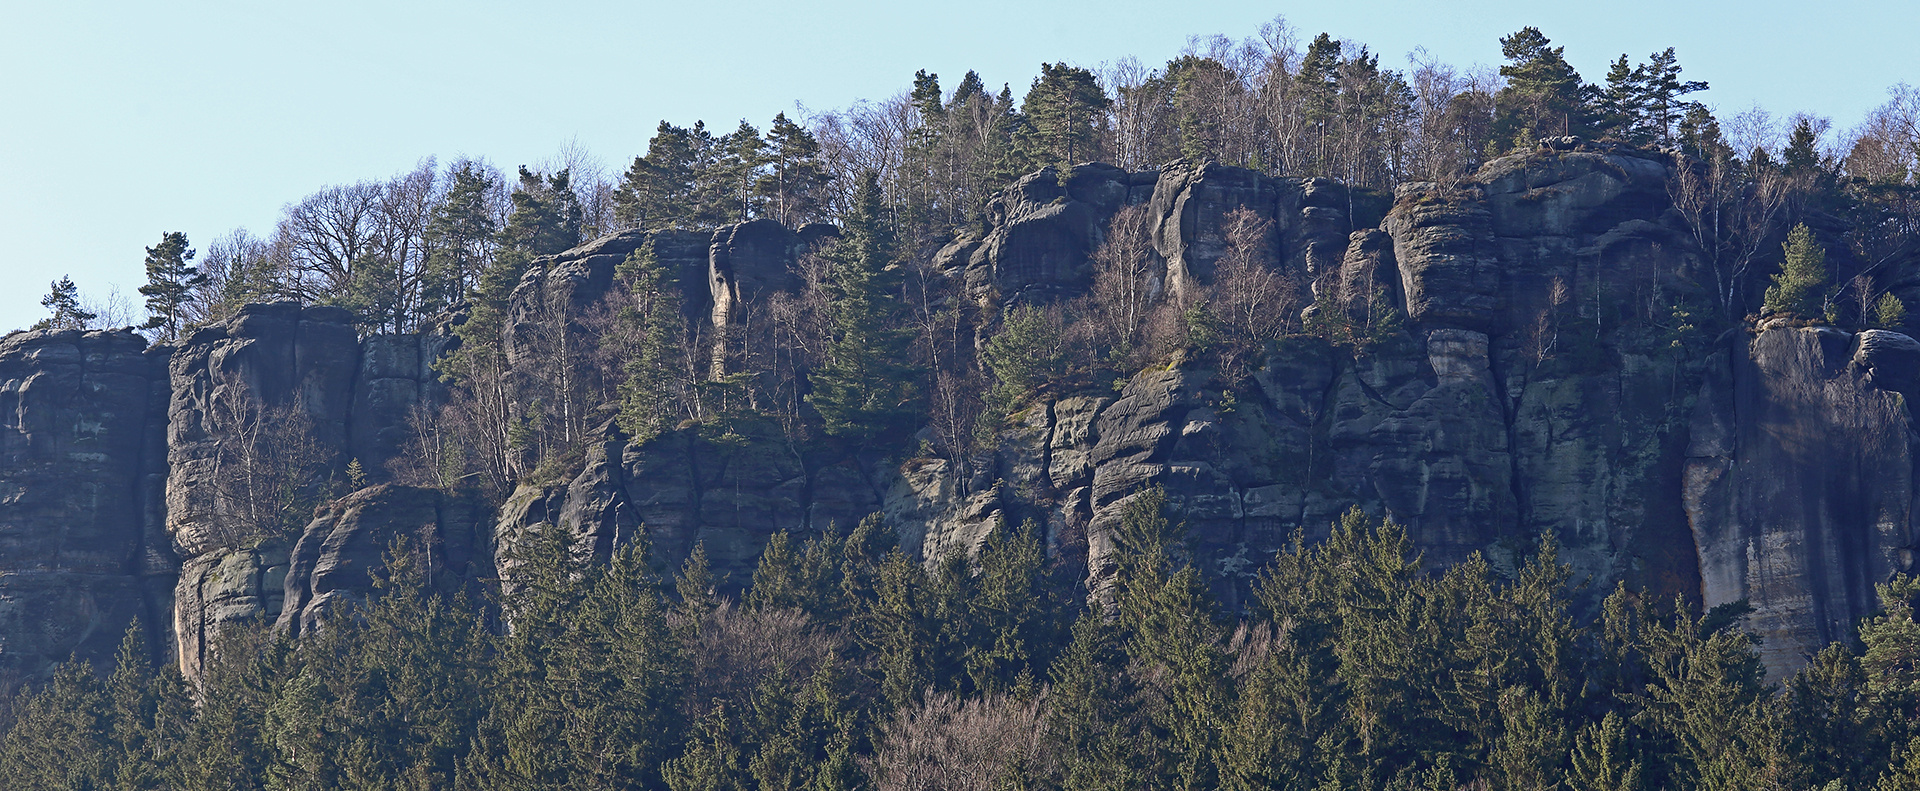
(1357,655)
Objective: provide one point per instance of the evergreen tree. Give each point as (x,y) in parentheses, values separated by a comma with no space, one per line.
(726,187)
(1016,633)
(650,401)
(1621,109)
(148,714)
(1798,288)
(1662,92)
(1603,758)
(59,736)
(171,282)
(1062,115)
(658,190)
(898,633)
(795,178)
(547,215)
(1543,95)
(63,301)
(863,386)
(462,234)
(1092,714)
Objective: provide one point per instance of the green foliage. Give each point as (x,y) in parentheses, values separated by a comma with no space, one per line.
(1060,118)
(171,282)
(547,216)
(1798,288)
(864,385)
(795,180)
(63,301)
(1543,95)
(1355,668)
(462,234)
(649,397)
(1889,312)
(1027,355)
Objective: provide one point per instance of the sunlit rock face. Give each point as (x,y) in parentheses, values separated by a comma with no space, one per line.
(1520,370)
(1800,481)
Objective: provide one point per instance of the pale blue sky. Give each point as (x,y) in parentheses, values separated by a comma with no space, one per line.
(120,121)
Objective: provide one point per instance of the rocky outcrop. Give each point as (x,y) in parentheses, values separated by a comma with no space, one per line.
(730,492)
(334,563)
(1517,361)
(1800,481)
(82,550)
(292,395)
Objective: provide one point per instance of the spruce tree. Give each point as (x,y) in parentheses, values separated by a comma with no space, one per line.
(863,387)
(1797,288)
(1621,108)
(171,282)
(63,301)
(59,737)
(649,399)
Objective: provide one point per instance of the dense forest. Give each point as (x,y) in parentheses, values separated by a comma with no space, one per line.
(848,662)
(849,665)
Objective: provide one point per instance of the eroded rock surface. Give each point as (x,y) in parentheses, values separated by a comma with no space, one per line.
(1800,482)
(82,551)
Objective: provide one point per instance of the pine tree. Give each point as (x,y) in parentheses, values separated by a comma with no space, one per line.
(1797,288)
(725,188)
(863,387)
(63,301)
(658,190)
(171,282)
(1543,96)
(547,215)
(795,178)
(462,234)
(1662,91)
(1062,112)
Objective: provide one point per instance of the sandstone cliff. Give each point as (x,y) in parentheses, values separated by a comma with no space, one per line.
(1542,379)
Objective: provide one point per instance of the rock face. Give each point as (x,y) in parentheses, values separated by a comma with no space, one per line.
(333,563)
(729,493)
(294,388)
(1519,365)
(82,550)
(1800,481)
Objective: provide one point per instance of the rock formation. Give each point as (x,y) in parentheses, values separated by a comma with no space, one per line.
(82,550)
(1523,370)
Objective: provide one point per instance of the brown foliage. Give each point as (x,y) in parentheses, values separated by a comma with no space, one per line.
(947,743)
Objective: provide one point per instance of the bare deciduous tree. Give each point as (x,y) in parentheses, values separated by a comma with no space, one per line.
(1128,279)
(949,743)
(268,471)
(1730,210)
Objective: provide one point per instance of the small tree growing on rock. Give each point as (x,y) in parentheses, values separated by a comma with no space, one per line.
(1796,289)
